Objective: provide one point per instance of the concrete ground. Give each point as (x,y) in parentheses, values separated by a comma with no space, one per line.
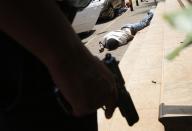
(141,67)
(92,40)
(160,89)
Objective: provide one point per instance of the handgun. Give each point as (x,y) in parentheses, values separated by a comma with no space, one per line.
(124,102)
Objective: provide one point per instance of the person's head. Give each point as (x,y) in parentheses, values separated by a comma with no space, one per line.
(111,44)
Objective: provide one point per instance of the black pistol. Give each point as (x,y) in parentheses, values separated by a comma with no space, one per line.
(124,101)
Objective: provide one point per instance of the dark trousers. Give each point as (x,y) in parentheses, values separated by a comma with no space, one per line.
(141,24)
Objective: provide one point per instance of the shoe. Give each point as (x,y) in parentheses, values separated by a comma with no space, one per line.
(151,11)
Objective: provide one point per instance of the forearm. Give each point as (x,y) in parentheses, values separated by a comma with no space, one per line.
(42,28)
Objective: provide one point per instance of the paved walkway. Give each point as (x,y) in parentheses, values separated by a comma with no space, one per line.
(152,80)
(141,67)
(138,73)
(92,41)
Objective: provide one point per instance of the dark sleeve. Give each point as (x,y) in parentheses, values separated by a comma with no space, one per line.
(68,10)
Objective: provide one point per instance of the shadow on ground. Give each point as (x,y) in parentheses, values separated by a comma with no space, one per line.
(84,35)
(101,21)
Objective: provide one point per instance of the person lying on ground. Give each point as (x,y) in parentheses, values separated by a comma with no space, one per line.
(114,39)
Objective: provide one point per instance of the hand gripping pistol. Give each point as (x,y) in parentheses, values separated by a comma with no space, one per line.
(124,101)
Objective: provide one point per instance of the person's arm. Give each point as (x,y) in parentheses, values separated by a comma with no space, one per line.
(42,28)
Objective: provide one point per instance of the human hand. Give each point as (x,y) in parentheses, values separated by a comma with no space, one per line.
(87,85)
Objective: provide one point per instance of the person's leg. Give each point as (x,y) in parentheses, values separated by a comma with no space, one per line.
(138,26)
(143,23)
(134,27)
(127,26)
(147,19)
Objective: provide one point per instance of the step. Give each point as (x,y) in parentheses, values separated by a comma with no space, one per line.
(140,67)
(183,3)
(117,122)
(176,101)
